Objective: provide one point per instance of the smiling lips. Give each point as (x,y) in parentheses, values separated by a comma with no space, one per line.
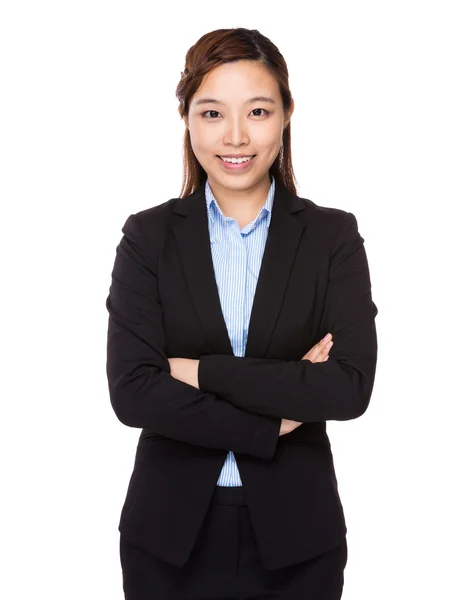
(237,163)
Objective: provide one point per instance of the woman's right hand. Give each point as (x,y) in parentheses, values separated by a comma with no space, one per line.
(318,353)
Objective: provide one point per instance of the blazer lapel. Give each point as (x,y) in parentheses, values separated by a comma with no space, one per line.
(193,241)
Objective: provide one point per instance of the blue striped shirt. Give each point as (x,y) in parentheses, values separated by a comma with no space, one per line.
(236,255)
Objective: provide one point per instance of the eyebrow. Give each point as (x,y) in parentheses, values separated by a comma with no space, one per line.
(254,99)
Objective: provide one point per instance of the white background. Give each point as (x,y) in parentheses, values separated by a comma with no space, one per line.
(90,133)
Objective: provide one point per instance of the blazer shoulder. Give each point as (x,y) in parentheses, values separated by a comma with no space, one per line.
(152,221)
(148,228)
(329,218)
(154,215)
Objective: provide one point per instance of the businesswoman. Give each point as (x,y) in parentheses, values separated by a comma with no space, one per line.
(240,321)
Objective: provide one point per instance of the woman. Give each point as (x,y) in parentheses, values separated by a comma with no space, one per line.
(224,305)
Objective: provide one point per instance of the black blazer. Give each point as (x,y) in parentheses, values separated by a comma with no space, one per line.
(163,302)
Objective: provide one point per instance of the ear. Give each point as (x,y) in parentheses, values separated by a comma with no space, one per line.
(289,114)
(185,118)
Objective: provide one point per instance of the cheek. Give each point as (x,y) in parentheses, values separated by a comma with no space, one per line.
(270,142)
(203,142)
(272,151)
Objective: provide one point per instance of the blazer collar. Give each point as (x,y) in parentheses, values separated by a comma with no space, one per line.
(193,241)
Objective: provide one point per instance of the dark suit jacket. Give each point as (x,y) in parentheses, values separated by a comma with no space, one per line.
(163,302)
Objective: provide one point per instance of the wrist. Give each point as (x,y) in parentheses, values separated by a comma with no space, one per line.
(196,374)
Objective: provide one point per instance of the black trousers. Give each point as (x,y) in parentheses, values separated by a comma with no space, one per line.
(225,564)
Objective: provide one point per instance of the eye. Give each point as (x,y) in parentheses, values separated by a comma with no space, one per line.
(263,109)
(216,111)
(209,111)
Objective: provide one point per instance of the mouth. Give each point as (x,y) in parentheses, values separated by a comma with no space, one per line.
(238,166)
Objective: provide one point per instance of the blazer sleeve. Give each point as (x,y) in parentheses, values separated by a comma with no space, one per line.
(339,388)
(143,393)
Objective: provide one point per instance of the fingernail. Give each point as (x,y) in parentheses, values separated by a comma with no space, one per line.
(328,336)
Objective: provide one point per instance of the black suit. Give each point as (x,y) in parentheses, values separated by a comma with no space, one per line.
(164,302)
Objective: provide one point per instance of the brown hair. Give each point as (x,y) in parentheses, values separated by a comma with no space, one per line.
(211,50)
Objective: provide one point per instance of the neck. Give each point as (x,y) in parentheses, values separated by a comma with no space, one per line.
(241,203)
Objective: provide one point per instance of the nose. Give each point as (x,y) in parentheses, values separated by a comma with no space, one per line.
(235,132)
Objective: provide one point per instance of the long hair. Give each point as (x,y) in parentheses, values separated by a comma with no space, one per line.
(216,48)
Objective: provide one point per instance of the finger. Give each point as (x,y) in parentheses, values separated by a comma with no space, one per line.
(318,348)
(312,354)
(320,354)
(324,341)
(321,347)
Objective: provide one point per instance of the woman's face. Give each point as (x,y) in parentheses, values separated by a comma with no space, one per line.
(224,118)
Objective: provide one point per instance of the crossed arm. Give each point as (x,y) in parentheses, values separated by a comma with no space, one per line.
(338,389)
(142,391)
(241,400)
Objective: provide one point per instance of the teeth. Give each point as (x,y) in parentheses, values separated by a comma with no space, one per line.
(237,160)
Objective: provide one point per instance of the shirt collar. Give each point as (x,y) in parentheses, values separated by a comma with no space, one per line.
(212,202)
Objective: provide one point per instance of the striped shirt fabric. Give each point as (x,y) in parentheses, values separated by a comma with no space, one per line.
(236,255)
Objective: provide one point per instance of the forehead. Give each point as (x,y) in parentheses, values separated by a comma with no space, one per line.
(237,81)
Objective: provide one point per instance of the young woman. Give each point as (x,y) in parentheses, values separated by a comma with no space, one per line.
(224,305)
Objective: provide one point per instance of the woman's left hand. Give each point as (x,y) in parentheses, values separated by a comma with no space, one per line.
(186,370)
